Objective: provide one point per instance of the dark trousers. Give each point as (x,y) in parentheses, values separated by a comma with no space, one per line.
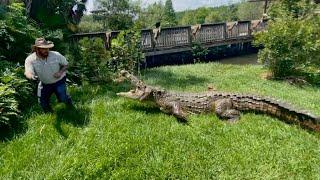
(60,90)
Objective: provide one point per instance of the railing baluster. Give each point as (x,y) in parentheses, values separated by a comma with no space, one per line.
(176,37)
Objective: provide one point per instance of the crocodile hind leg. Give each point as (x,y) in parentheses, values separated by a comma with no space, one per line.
(224,110)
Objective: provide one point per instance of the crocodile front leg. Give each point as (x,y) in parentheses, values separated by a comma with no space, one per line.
(175,109)
(224,109)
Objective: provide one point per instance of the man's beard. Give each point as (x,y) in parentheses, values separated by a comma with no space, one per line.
(44,55)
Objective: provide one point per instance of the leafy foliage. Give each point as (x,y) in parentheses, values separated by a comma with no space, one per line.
(15,93)
(89,24)
(9,106)
(250,10)
(126,51)
(116,15)
(169,14)
(16,33)
(291,45)
(198,51)
(94,62)
(292,8)
(208,15)
(150,15)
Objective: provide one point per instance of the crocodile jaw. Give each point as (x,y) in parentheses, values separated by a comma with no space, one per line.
(132,94)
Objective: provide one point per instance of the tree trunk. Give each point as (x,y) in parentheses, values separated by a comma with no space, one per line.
(27,4)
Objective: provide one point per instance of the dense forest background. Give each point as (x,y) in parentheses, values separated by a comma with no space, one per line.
(125,14)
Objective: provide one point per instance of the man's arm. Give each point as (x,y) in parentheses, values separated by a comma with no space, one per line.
(30,75)
(60,73)
(29,71)
(64,65)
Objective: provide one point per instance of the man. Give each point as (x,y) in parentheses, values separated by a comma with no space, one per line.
(50,67)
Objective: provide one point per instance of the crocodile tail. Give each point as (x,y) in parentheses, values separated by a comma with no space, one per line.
(278,109)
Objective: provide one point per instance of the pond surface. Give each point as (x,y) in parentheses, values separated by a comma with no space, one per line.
(241,60)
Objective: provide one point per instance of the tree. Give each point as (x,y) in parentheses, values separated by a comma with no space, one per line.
(291,44)
(55,13)
(16,33)
(187,18)
(208,15)
(294,8)
(117,15)
(250,10)
(169,14)
(214,17)
(150,15)
(201,15)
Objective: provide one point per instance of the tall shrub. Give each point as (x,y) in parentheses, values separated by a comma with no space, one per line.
(17,33)
(15,97)
(291,43)
(126,51)
(94,65)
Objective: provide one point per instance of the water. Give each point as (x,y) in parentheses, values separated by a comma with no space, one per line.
(241,60)
(187,58)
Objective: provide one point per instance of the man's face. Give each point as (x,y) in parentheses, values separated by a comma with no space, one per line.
(43,52)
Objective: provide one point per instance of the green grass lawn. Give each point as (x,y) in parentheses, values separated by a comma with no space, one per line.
(111,137)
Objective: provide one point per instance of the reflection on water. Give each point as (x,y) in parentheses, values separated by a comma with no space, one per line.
(241,60)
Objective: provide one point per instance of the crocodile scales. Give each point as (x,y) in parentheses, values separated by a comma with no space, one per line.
(225,105)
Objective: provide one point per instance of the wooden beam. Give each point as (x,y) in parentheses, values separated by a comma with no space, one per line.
(177,49)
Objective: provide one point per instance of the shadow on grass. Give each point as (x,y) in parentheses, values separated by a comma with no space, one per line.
(18,126)
(149,108)
(171,80)
(8,132)
(78,117)
(86,93)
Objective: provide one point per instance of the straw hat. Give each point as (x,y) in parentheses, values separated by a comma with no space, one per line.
(42,43)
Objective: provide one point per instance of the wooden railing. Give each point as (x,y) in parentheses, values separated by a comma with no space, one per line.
(181,38)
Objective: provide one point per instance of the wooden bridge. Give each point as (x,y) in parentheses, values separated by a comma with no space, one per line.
(178,39)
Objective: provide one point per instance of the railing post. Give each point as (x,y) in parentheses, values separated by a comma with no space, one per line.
(238,29)
(190,36)
(107,40)
(225,31)
(249,28)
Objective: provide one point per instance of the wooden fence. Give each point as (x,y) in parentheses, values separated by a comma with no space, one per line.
(175,39)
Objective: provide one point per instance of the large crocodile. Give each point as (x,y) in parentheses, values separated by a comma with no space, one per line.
(225,105)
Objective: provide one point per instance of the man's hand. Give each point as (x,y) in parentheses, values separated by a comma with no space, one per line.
(31,76)
(34,78)
(58,74)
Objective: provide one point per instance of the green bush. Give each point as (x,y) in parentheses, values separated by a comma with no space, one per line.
(8,105)
(17,33)
(94,60)
(15,96)
(126,51)
(88,24)
(198,51)
(291,46)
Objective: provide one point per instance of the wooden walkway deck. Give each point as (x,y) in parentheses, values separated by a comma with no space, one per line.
(179,39)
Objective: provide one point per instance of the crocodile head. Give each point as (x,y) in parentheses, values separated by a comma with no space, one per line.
(141,91)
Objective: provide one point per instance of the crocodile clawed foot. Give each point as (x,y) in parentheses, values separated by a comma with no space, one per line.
(182,120)
(211,88)
(233,120)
